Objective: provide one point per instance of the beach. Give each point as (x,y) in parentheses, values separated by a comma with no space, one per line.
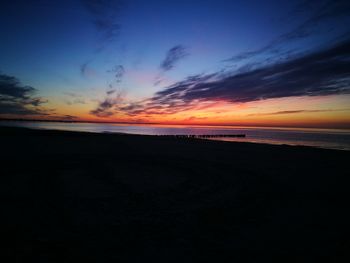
(74,196)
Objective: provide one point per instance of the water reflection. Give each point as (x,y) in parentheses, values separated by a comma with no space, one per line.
(325,138)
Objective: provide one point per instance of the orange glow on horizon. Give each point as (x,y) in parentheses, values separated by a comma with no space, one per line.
(315,112)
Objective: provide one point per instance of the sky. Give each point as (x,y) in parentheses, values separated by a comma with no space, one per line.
(251,63)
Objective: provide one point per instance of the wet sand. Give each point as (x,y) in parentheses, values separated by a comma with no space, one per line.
(70,196)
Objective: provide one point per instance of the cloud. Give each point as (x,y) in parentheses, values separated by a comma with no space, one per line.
(325,72)
(110,104)
(58,117)
(83,68)
(317,23)
(277,70)
(294,112)
(173,56)
(106,108)
(110,92)
(104,14)
(18,109)
(16,98)
(194,118)
(69,117)
(74,98)
(118,72)
(87,71)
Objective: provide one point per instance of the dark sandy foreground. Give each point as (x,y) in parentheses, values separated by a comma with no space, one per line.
(69,197)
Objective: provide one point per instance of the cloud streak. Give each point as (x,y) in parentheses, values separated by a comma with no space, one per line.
(294,112)
(321,12)
(173,56)
(16,98)
(104,14)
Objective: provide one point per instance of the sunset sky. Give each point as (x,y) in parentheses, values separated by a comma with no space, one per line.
(260,63)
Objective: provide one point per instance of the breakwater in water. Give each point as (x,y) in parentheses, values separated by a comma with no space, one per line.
(206,135)
(323,138)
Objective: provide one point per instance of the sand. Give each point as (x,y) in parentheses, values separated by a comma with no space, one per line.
(69,197)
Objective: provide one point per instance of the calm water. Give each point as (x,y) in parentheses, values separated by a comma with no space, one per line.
(323,138)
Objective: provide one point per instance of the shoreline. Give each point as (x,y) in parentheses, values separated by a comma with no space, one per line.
(173,136)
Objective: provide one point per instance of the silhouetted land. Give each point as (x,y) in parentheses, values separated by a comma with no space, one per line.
(69,197)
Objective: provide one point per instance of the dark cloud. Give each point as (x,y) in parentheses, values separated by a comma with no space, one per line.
(110,92)
(16,98)
(325,72)
(293,112)
(83,68)
(104,108)
(104,13)
(108,106)
(69,117)
(319,15)
(10,86)
(173,55)
(321,11)
(18,109)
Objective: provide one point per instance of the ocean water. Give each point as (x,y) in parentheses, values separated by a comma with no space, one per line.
(322,138)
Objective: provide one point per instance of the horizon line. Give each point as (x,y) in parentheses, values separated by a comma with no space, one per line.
(177,124)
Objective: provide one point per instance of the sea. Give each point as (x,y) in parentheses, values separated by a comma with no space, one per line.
(322,138)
